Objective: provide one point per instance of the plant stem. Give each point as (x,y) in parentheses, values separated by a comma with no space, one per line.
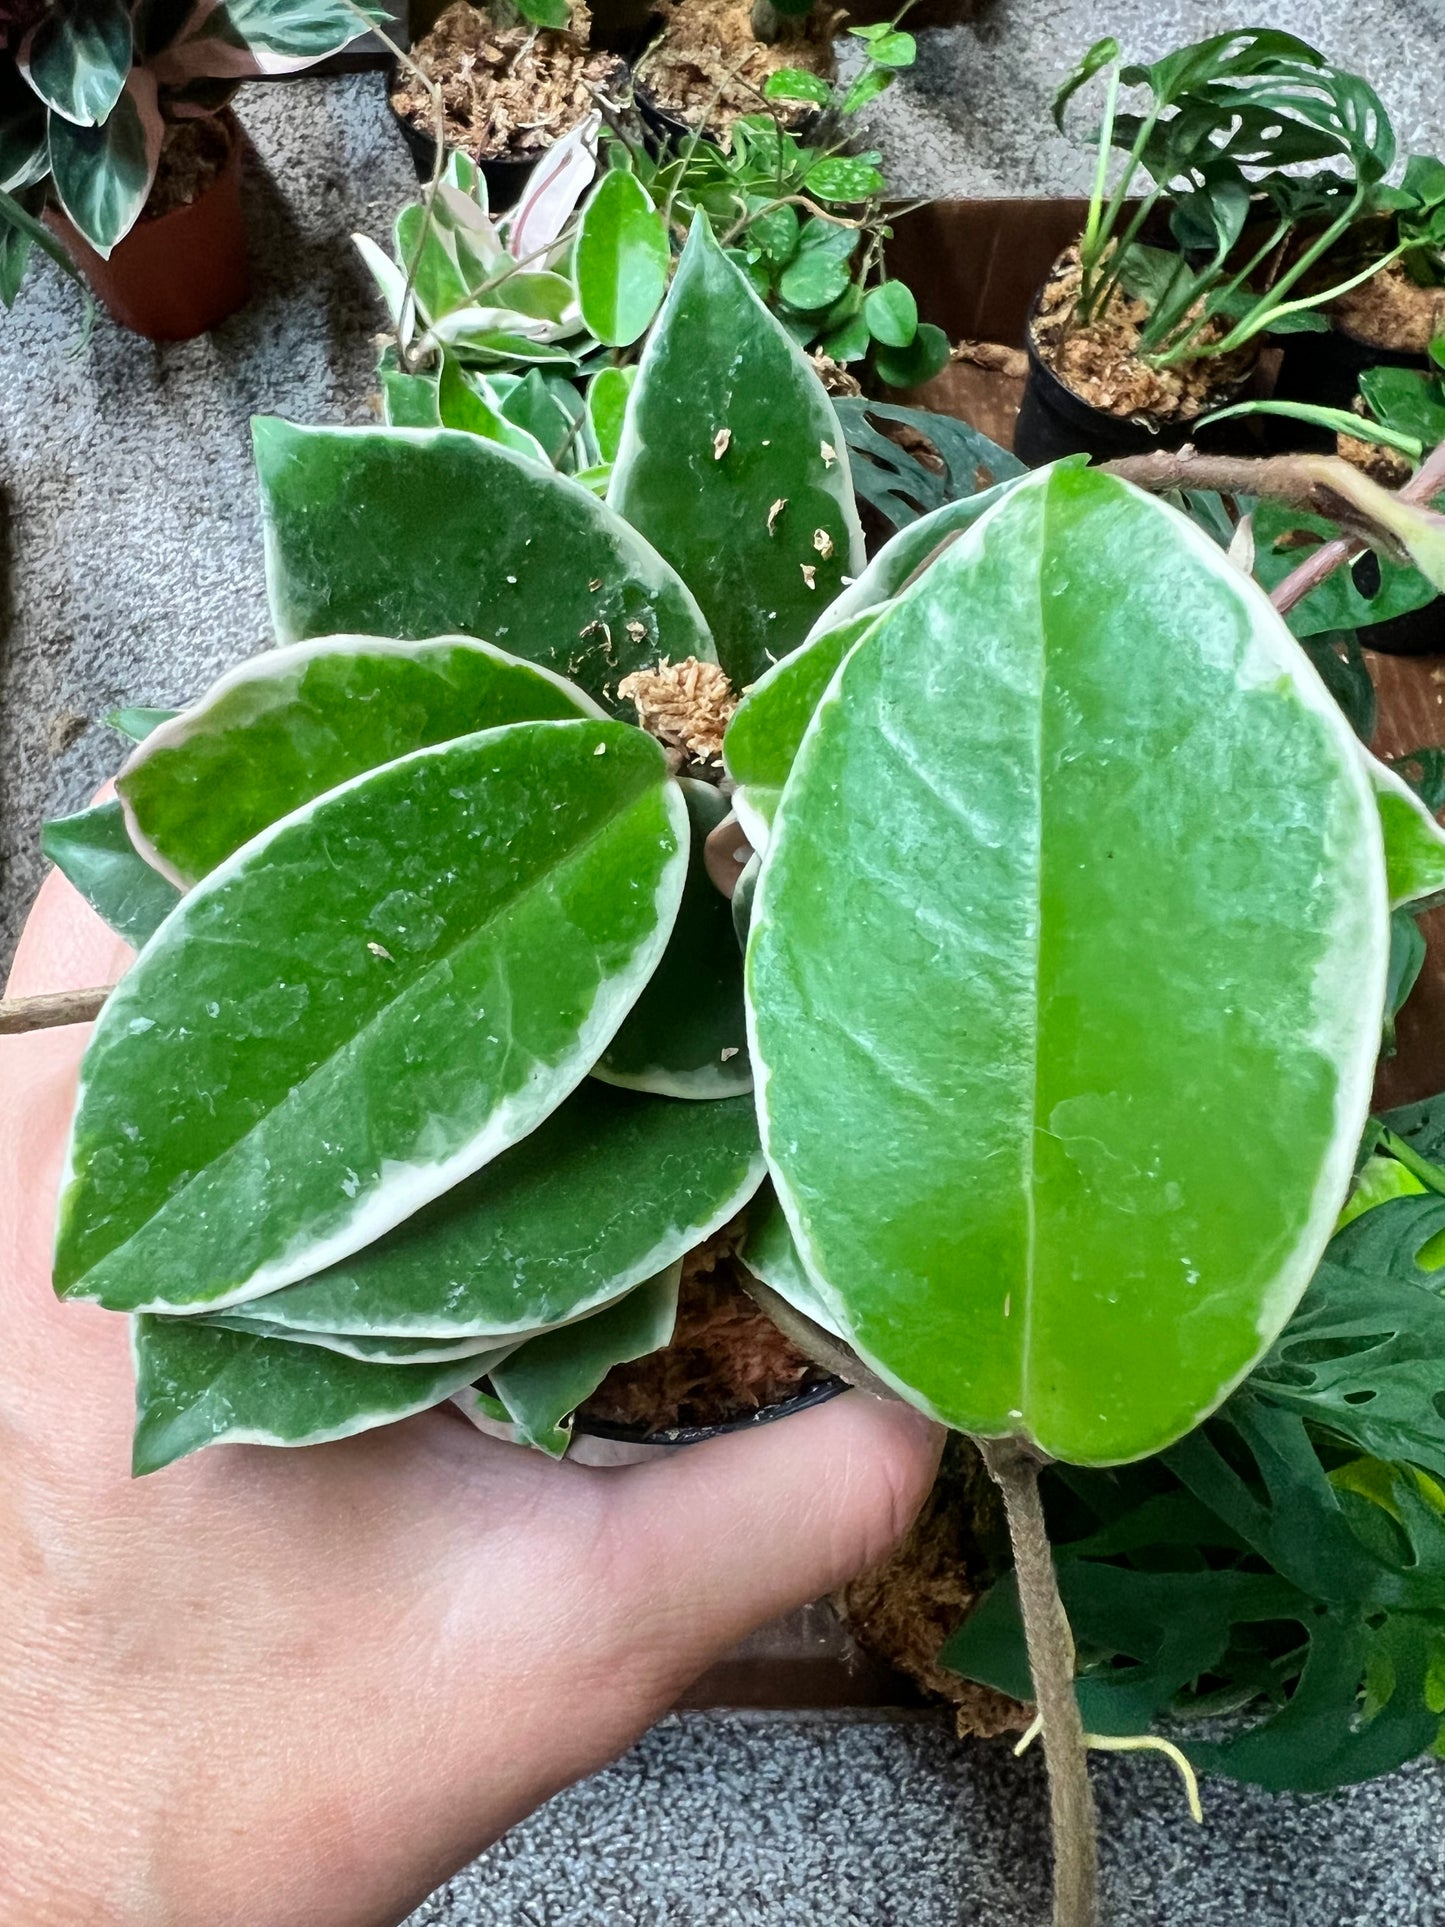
(1014,1468)
(55,1007)
(1422,487)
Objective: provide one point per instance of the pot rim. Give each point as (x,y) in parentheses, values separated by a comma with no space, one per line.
(819,1393)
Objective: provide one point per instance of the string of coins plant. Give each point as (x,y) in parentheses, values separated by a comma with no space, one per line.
(440,1053)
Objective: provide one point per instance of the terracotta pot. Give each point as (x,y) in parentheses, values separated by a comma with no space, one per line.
(182,273)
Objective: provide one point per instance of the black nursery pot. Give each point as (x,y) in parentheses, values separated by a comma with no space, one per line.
(505,177)
(1419,632)
(1054,421)
(637,1435)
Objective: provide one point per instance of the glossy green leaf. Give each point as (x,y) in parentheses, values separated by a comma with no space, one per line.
(102,175)
(621,259)
(286,726)
(845,177)
(545,407)
(795,83)
(483,1352)
(1414,841)
(893,49)
(924,357)
(137,723)
(610,1189)
(94,851)
(556,14)
(732,464)
(607,394)
(429,263)
(770,1252)
(365,1005)
(544,1381)
(462,403)
(892,314)
(1113,880)
(867,87)
(197,1385)
(79,57)
(433,532)
(772,719)
(848,343)
(409,401)
(814,280)
(768,726)
(686,1035)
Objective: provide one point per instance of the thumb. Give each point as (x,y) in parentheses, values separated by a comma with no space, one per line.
(727,1535)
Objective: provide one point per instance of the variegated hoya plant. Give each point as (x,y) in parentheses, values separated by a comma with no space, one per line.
(441,1051)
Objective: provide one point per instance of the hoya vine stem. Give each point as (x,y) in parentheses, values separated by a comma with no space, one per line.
(1014,1466)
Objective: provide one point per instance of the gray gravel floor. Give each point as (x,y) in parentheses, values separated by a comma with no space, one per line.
(130,570)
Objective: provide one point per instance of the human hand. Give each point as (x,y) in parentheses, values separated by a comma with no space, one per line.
(303,1687)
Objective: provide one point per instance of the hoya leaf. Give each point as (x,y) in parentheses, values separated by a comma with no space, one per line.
(138,723)
(198,1385)
(78,58)
(768,726)
(795,83)
(367,1003)
(483,1352)
(433,532)
(814,280)
(925,356)
(722,464)
(607,1191)
(429,263)
(286,726)
(409,401)
(1102,840)
(543,1382)
(1414,841)
(844,177)
(462,403)
(621,259)
(607,394)
(916,543)
(686,1035)
(94,851)
(770,722)
(892,314)
(770,1253)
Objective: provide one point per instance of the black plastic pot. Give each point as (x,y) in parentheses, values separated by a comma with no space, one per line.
(665,126)
(1419,632)
(505,177)
(804,1401)
(1325,370)
(1054,421)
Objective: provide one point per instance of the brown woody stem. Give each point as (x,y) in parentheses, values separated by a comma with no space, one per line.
(1323,485)
(56,1007)
(1014,1467)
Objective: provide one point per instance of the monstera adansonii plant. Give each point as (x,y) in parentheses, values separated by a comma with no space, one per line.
(1064,974)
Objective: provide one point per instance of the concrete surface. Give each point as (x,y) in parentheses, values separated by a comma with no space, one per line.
(132,572)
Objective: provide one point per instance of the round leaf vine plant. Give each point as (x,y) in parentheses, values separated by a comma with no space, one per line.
(440,1052)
